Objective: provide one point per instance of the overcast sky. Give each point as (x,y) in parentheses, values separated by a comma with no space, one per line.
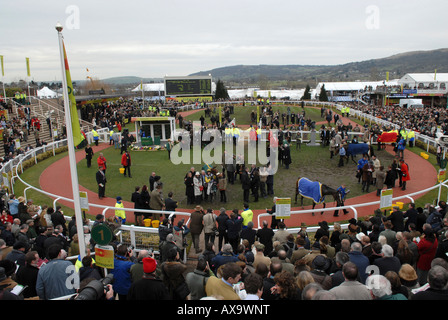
(154,38)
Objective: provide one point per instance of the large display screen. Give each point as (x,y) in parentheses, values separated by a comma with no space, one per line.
(188,86)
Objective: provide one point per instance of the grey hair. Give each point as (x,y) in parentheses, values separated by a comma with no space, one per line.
(387,250)
(379,285)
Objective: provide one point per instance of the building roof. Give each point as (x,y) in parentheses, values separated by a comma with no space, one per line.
(353,85)
(424,77)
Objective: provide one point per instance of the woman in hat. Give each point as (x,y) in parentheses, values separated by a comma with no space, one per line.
(408,277)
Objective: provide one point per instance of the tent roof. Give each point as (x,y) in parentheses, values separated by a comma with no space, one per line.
(353,85)
(241,93)
(159,87)
(46,92)
(424,77)
(150,87)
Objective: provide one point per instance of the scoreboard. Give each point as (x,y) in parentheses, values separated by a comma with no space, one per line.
(188,86)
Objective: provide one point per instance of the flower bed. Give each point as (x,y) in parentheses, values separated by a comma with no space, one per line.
(134,147)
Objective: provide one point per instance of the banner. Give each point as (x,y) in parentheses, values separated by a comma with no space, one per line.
(76,128)
(104,256)
(28,72)
(386,199)
(283,208)
(1,62)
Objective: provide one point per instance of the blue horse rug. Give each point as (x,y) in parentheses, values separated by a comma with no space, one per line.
(357,148)
(311,190)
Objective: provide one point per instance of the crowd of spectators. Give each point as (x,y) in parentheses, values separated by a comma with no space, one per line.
(426,121)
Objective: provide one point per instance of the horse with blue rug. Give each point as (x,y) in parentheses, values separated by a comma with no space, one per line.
(315,191)
(354,149)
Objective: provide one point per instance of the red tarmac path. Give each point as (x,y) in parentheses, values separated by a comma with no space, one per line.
(55,179)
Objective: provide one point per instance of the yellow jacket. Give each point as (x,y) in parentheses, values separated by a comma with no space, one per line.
(120,213)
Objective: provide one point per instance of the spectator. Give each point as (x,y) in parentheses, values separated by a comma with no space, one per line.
(122,271)
(234,228)
(89,269)
(381,288)
(224,256)
(137,268)
(196,226)
(17,255)
(427,247)
(265,235)
(249,233)
(53,278)
(149,287)
(361,261)
(285,286)
(197,280)
(351,288)
(253,285)
(209,221)
(438,280)
(260,257)
(27,275)
(223,288)
(388,262)
(389,233)
(337,277)
(222,227)
(172,275)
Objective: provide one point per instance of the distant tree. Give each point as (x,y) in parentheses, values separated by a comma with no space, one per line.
(323,94)
(307,93)
(221,91)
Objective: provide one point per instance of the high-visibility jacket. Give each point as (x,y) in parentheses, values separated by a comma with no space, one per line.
(404,134)
(95,134)
(247,216)
(120,213)
(236,132)
(227,131)
(411,135)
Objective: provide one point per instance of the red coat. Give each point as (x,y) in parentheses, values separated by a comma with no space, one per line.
(427,251)
(102,162)
(405,172)
(126,159)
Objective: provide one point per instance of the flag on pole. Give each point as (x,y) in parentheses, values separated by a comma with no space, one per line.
(28,72)
(1,62)
(387,76)
(76,128)
(435,74)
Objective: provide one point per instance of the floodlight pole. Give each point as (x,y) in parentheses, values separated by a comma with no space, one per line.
(71,150)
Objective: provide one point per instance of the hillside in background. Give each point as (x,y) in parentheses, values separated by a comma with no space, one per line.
(300,75)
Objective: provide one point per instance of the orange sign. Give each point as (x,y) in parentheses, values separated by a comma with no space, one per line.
(104,256)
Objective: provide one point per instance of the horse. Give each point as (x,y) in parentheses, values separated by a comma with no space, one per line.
(315,191)
(354,149)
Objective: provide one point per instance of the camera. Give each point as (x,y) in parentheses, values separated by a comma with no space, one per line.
(96,288)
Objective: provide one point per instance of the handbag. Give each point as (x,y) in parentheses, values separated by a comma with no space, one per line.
(215,230)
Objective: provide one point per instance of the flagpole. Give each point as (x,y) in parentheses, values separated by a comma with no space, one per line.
(71,150)
(3,80)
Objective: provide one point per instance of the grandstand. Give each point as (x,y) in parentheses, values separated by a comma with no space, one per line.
(40,109)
